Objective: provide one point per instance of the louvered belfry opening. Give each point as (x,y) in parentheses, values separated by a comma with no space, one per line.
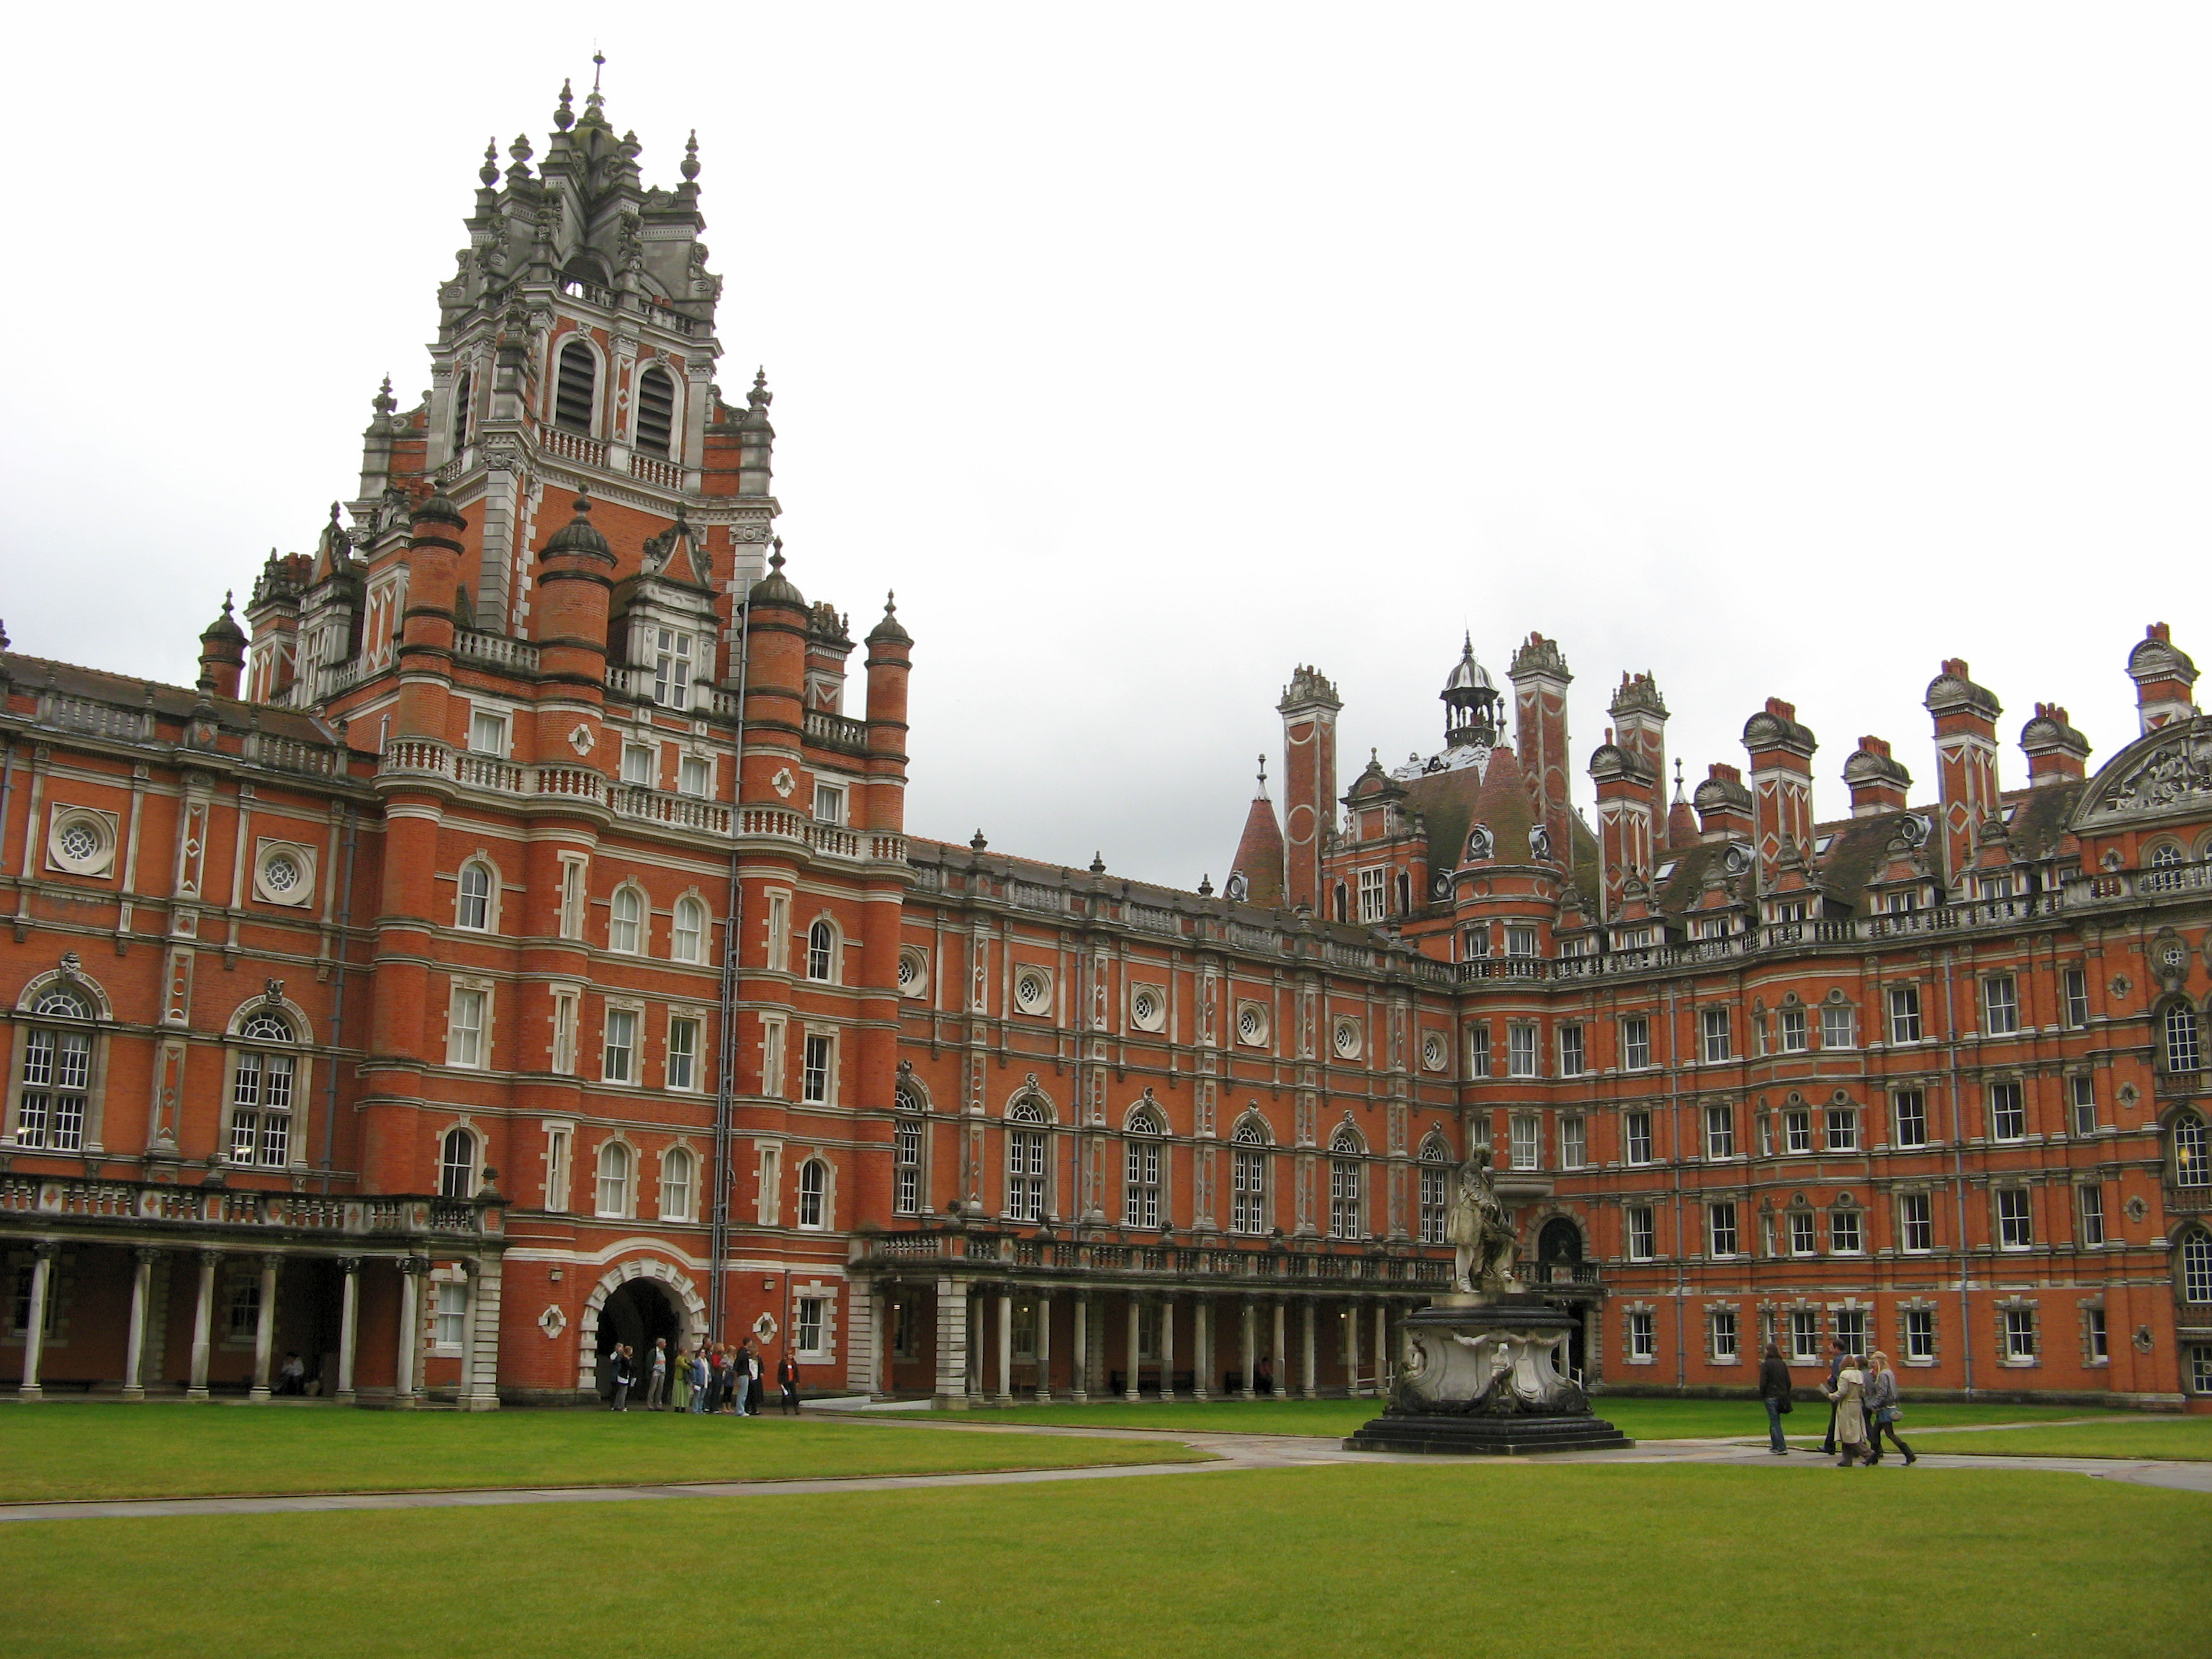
(572,399)
(464,395)
(656,411)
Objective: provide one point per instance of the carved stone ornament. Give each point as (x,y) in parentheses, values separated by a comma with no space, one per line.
(553,1322)
(272,993)
(2176,774)
(783,783)
(71,968)
(2120,987)
(581,739)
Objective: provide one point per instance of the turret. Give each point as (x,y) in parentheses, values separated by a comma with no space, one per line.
(1781,752)
(2055,752)
(2163,677)
(222,653)
(1623,819)
(575,590)
(1471,702)
(756,440)
(1965,716)
(1877,781)
(1310,707)
(1540,677)
(1256,872)
(889,663)
(1639,725)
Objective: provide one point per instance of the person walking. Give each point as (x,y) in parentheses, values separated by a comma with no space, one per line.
(1882,1408)
(656,1392)
(1849,1397)
(1774,1389)
(1842,1352)
(787,1383)
(623,1376)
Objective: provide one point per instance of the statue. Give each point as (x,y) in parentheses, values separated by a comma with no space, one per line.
(1480,1231)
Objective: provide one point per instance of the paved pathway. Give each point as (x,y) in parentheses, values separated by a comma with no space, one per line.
(1230,1451)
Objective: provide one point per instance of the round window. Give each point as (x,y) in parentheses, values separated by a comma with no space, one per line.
(281,874)
(1433,1051)
(910,971)
(80,841)
(1347,1039)
(1145,1006)
(1252,1023)
(1032,991)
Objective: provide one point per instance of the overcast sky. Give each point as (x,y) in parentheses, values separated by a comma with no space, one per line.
(1149,351)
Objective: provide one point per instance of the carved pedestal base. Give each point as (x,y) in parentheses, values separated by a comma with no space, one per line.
(1482,1377)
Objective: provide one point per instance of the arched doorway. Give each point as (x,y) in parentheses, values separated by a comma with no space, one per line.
(1559,1252)
(1560,1241)
(639,1313)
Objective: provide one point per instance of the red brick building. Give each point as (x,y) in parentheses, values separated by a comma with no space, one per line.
(514,946)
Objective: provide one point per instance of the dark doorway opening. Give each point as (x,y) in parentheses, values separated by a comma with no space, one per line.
(638,1313)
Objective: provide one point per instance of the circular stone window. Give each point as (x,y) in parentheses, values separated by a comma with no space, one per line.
(1346,1039)
(82,842)
(284,873)
(1251,1023)
(1033,991)
(1433,1051)
(1147,1008)
(913,973)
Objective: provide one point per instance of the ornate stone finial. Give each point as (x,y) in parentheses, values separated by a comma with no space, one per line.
(775,554)
(519,149)
(565,116)
(593,101)
(489,171)
(1263,776)
(760,397)
(1097,864)
(272,993)
(4,640)
(1205,885)
(689,166)
(977,842)
(383,403)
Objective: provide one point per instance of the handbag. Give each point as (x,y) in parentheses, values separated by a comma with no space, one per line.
(1784,1406)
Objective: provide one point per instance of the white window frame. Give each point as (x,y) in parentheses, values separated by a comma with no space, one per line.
(690,1050)
(818,1079)
(469,1046)
(1640,1231)
(622,1047)
(613,1195)
(1904,1024)
(2000,1005)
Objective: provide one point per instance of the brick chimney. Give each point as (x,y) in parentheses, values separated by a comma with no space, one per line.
(2163,678)
(2055,752)
(1781,753)
(1965,716)
(1723,804)
(1878,782)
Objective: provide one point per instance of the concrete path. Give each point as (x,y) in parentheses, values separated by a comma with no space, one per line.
(1230,1451)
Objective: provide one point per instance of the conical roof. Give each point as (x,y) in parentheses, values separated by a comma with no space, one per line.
(1259,854)
(1504,809)
(580,536)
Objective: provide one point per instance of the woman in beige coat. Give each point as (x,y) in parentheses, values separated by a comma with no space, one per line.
(1849,1393)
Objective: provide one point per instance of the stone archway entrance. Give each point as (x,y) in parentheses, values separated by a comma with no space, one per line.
(1559,1246)
(639,1313)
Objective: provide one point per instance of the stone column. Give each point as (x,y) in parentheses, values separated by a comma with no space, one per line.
(348,1327)
(1078,1358)
(1249,1347)
(411,1332)
(951,1345)
(881,1378)
(264,1330)
(1382,1347)
(1279,1364)
(1167,1348)
(1044,1347)
(134,1344)
(1132,1397)
(1005,1345)
(1351,1388)
(202,1320)
(1307,1390)
(35,1333)
(1202,1346)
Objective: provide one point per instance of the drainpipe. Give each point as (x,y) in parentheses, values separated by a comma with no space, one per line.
(337,1003)
(1674,1130)
(726,1021)
(7,795)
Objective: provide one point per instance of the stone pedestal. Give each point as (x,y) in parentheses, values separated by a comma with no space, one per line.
(1480,1376)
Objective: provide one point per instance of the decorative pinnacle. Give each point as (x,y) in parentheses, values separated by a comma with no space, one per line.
(775,554)
(1098,864)
(565,116)
(226,602)
(891,602)
(521,148)
(1263,776)
(385,403)
(593,101)
(489,171)
(690,165)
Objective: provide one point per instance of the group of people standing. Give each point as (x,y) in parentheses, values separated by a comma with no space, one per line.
(706,1379)
(1863,1405)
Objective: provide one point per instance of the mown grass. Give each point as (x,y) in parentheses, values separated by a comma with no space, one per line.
(163,1450)
(2125,1436)
(1640,1419)
(1470,1561)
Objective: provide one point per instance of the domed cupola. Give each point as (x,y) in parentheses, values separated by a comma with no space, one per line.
(1470,700)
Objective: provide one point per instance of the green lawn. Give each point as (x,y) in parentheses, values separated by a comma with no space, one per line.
(2125,1435)
(1640,1419)
(69,1451)
(1469,1560)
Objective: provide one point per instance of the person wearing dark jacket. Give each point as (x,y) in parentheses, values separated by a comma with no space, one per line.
(622,1375)
(787,1383)
(1774,1389)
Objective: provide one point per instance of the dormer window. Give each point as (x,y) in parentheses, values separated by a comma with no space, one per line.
(1789,910)
(1372,891)
(574,393)
(1996,887)
(672,668)
(656,411)
(1904,903)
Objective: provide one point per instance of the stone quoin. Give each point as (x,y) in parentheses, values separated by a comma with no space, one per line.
(512,947)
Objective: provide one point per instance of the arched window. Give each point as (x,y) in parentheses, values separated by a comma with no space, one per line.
(1404,894)
(626,921)
(822,951)
(2183,1051)
(675,1186)
(1340,903)
(2196,1265)
(464,395)
(2189,1140)
(1344,1183)
(474,909)
(1436,1189)
(457,1165)
(1248,1180)
(262,1090)
(813,1194)
(906,1154)
(1025,1165)
(573,397)
(1140,1189)
(656,411)
(55,1090)
(687,940)
(614,1179)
